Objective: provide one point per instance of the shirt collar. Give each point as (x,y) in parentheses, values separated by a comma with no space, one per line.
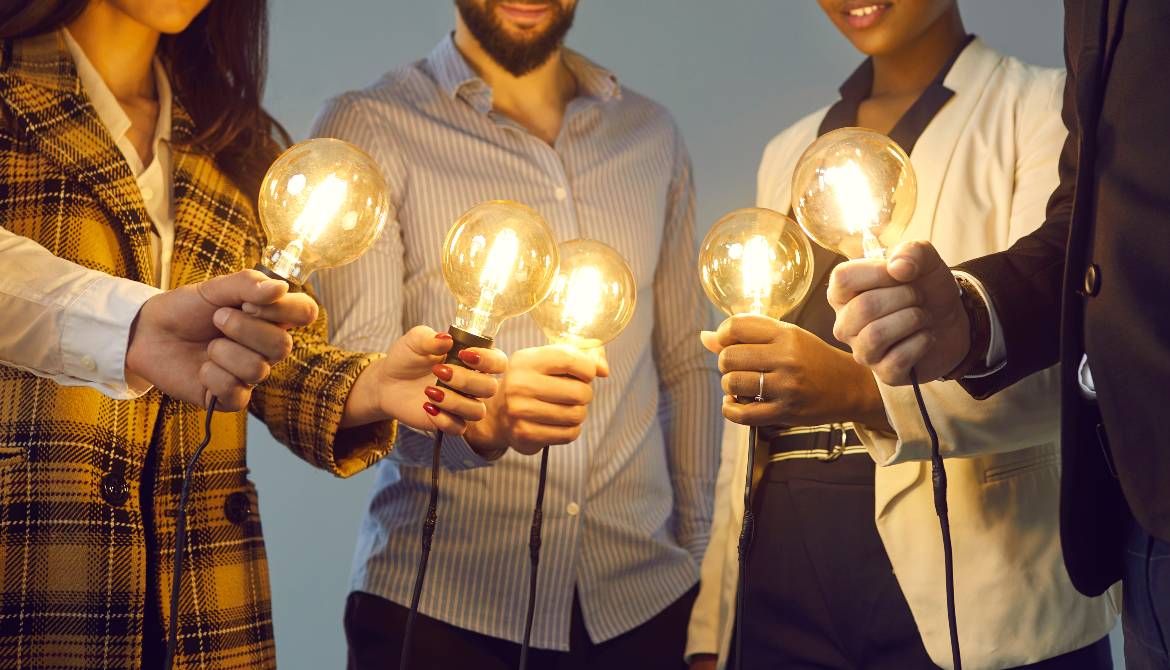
(107,107)
(910,127)
(456,77)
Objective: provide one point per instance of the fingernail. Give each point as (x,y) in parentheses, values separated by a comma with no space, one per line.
(220,317)
(434,394)
(443,372)
(271,283)
(430,409)
(442,336)
(249,308)
(470,357)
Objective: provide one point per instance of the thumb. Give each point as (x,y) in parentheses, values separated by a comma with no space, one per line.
(710,340)
(598,355)
(911,260)
(246,286)
(424,341)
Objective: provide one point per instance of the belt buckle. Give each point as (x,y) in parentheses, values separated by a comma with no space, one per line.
(838,449)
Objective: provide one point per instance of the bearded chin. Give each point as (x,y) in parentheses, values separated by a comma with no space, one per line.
(517,56)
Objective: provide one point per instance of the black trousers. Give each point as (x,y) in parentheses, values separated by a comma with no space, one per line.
(374,628)
(821,589)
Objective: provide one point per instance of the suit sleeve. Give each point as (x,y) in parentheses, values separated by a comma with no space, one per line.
(1025,283)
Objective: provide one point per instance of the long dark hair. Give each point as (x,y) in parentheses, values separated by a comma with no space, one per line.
(217,68)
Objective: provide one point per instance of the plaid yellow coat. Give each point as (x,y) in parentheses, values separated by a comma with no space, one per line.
(88,485)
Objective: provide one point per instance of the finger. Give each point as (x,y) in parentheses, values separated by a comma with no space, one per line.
(533,436)
(444,422)
(753,414)
(710,340)
(752,357)
(852,278)
(911,260)
(564,360)
(545,413)
(747,384)
(469,382)
(871,306)
(231,394)
(598,356)
(487,361)
(558,390)
(239,361)
(238,288)
(896,366)
(748,329)
(294,310)
(267,339)
(455,404)
(874,341)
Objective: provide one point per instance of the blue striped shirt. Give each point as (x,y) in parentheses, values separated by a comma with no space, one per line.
(628,505)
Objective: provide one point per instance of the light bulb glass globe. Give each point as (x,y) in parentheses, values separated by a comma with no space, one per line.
(322,204)
(499,260)
(592,297)
(756,261)
(854,192)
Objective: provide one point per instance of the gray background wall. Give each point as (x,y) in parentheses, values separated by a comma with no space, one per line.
(734,72)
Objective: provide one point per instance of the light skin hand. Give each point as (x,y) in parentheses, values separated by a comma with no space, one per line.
(806,381)
(194,341)
(543,400)
(402,385)
(901,314)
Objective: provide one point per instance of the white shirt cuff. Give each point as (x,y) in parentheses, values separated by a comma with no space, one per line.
(95,334)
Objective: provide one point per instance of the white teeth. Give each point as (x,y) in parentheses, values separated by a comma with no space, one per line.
(864,11)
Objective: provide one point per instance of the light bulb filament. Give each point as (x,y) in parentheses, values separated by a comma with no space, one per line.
(496,273)
(756,266)
(855,201)
(323,205)
(583,299)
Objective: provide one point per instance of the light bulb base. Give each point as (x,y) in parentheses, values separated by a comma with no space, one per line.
(463,340)
(293,286)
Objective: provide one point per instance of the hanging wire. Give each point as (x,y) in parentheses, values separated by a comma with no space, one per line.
(428,534)
(534,554)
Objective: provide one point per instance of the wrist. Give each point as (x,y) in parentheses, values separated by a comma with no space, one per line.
(367,399)
(975,328)
(869,407)
(482,437)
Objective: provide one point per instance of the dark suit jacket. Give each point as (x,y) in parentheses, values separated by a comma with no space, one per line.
(1095,279)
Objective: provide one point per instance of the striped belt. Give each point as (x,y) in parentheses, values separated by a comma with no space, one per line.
(826,442)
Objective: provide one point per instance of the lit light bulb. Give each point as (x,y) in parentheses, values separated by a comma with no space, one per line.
(499,260)
(322,204)
(592,297)
(755,261)
(854,192)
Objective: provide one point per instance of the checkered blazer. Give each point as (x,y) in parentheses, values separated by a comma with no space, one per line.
(89,485)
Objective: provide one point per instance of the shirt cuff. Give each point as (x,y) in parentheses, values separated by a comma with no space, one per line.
(95,334)
(415,448)
(996,347)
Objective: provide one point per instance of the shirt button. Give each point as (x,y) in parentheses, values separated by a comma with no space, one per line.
(573,509)
(1092,280)
(148,194)
(561,193)
(468,462)
(88,363)
(237,507)
(114,489)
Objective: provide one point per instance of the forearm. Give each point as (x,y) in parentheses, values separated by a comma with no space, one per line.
(693,428)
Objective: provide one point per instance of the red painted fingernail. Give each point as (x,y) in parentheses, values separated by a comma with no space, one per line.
(434,393)
(470,357)
(431,409)
(443,372)
(442,336)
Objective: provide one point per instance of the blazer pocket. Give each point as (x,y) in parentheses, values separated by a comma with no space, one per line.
(1041,461)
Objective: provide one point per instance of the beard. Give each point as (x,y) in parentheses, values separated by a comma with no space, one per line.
(518,56)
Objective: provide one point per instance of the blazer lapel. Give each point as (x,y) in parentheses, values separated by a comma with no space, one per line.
(44,93)
(935,148)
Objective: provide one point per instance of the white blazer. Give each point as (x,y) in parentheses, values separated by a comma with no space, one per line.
(986,165)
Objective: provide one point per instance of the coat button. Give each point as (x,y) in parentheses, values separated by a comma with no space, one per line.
(1092,280)
(115,490)
(237,507)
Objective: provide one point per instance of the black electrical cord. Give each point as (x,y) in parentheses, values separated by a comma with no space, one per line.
(181,537)
(428,534)
(534,554)
(746,533)
(938,475)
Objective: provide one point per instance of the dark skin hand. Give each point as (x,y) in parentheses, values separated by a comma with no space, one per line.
(806,381)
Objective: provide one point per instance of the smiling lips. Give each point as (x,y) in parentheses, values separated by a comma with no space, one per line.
(861,16)
(525,14)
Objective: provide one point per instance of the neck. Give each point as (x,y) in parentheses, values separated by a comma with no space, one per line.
(911,68)
(550,86)
(120,48)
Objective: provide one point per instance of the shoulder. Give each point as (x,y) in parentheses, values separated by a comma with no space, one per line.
(398,91)
(1033,84)
(779,159)
(639,110)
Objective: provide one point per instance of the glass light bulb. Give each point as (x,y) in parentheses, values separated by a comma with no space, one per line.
(756,261)
(592,297)
(854,192)
(322,204)
(499,260)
